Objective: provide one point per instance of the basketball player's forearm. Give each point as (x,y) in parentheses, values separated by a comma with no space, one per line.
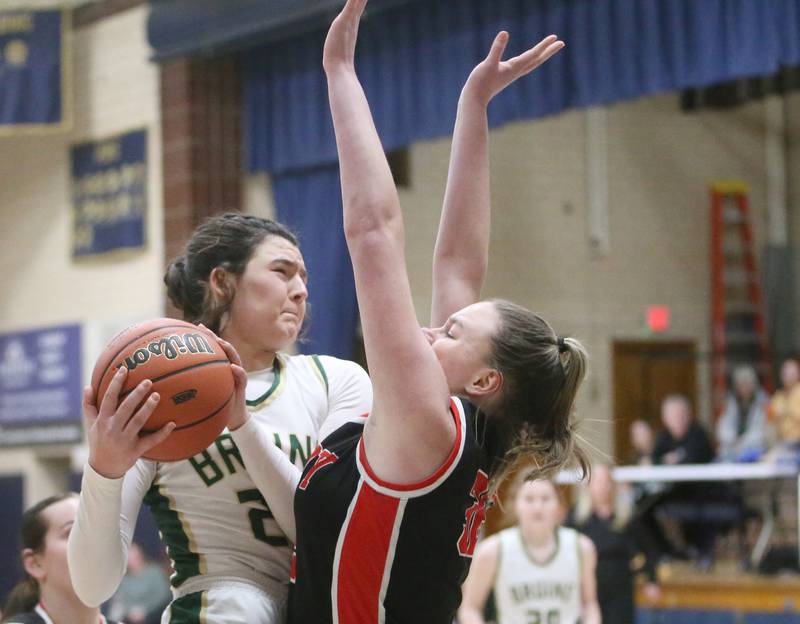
(469,615)
(368,192)
(591,614)
(97,551)
(270,469)
(462,244)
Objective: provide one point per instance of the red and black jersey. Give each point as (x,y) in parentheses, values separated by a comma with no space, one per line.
(369,551)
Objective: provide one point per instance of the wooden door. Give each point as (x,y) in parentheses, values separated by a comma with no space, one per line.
(644,373)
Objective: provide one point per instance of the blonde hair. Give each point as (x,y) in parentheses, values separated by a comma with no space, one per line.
(541,376)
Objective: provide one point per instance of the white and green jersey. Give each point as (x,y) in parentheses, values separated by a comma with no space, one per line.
(213,519)
(529,592)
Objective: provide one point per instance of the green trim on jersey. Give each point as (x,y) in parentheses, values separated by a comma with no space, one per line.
(277,382)
(188,609)
(321,369)
(530,557)
(178,540)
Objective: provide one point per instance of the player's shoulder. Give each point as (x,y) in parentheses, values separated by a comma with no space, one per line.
(585,544)
(338,365)
(329,373)
(508,536)
(336,371)
(303,368)
(565,532)
(488,548)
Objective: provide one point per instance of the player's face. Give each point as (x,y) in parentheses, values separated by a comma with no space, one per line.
(52,569)
(270,301)
(537,505)
(463,344)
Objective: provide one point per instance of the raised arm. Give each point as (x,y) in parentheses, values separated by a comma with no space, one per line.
(462,245)
(410,431)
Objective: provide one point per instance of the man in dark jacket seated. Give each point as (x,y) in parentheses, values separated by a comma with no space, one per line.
(699,507)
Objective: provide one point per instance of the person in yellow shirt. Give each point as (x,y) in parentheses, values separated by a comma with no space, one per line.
(784,408)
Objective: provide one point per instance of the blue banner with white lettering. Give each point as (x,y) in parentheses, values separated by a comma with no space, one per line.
(109,195)
(40,386)
(32,70)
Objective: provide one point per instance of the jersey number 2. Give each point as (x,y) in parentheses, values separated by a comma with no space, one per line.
(258,516)
(475,515)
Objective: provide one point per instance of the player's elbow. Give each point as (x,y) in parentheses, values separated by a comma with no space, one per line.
(86,584)
(467,261)
(467,614)
(88,593)
(368,218)
(373,239)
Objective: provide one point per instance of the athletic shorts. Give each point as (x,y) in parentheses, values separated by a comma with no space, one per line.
(228,602)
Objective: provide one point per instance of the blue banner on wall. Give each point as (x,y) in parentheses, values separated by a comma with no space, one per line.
(40,386)
(109,188)
(33,71)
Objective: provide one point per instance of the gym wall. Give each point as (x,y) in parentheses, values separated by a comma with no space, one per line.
(659,162)
(116,89)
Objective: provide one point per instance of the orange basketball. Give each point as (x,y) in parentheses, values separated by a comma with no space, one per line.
(189,370)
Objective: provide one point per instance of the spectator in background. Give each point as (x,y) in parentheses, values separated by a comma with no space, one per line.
(144,592)
(643,442)
(46,595)
(607,520)
(684,441)
(784,409)
(647,494)
(742,428)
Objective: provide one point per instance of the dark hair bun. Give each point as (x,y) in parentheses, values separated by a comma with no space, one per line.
(177,282)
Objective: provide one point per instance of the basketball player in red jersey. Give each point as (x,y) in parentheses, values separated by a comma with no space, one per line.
(388,508)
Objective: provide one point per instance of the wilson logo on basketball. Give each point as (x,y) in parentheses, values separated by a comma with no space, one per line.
(186,395)
(169,347)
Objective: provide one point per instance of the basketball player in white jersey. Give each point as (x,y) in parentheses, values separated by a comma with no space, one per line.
(540,572)
(244,278)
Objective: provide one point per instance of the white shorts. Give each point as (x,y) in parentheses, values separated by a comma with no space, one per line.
(228,602)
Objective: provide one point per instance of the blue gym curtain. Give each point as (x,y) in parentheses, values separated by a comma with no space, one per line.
(413,60)
(310,203)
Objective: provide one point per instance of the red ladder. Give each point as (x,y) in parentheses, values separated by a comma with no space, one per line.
(738,329)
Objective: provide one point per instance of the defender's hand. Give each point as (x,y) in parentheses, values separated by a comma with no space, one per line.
(340,44)
(493,74)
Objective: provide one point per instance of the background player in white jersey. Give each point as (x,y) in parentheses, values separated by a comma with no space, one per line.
(244,278)
(540,572)
(46,595)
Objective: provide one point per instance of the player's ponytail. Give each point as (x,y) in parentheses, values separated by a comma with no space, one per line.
(533,421)
(179,288)
(22,598)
